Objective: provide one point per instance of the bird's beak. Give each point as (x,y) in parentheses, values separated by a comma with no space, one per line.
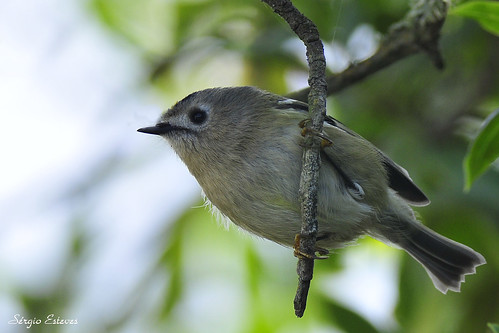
(158,129)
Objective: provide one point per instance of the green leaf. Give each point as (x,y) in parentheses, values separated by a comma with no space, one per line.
(483,150)
(346,319)
(494,327)
(486,13)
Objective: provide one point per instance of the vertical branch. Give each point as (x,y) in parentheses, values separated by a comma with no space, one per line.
(308,33)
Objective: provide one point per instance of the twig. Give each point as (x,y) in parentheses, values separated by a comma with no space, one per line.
(308,33)
(418,32)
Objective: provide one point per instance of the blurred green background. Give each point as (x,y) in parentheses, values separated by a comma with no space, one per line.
(115,235)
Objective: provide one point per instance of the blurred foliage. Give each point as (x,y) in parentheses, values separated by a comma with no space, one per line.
(421,117)
(484,12)
(484,149)
(494,327)
(346,319)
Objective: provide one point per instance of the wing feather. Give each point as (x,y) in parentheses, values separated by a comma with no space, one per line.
(398,178)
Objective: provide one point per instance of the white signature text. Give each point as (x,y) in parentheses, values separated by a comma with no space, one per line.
(51,319)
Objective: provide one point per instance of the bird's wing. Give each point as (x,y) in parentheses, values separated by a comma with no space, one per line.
(398,178)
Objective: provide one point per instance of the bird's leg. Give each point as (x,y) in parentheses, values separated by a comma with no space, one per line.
(322,252)
(325,141)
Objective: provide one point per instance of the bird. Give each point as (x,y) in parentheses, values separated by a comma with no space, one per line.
(244,146)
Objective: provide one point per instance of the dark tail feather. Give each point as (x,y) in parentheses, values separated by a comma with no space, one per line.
(446,261)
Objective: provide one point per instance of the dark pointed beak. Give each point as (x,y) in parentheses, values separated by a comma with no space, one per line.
(158,129)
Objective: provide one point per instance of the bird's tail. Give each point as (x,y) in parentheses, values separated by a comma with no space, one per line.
(445,261)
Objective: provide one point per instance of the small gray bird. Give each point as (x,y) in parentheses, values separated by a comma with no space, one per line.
(244,147)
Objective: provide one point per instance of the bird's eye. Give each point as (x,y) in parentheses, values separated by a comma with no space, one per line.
(197,116)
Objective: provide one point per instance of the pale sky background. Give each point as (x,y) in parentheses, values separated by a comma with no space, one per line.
(71,99)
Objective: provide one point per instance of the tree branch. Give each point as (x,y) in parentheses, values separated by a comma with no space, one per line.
(418,32)
(308,33)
